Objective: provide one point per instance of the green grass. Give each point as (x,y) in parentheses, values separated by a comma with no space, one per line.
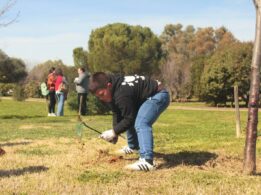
(197,104)
(190,104)
(15,116)
(104,177)
(196,152)
(38,152)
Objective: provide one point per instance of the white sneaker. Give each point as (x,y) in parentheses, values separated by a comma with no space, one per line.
(53,114)
(127,150)
(141,165)
(49,114)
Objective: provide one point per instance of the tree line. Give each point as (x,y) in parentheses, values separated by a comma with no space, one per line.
(200,63)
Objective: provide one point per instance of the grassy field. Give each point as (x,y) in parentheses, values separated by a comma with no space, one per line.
(196,153)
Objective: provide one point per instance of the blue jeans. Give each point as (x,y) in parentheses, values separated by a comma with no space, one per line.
(60,98)
(141,137)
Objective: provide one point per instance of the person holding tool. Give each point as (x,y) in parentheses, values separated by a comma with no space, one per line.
(136,102)
(81,83)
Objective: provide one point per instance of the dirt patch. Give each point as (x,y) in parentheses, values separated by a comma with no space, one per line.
(2,152)
(224,164)
(103,156)
(27,127)
(205,108)
(115,159)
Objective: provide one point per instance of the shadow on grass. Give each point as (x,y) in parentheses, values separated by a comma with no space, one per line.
(25,170)
(195,158)
(14,143)
(19,117)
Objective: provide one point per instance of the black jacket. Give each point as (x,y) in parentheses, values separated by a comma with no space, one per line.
(128,94)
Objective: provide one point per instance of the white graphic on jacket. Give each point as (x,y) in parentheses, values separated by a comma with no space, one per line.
(129,80)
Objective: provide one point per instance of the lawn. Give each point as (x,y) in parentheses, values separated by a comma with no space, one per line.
(195,150)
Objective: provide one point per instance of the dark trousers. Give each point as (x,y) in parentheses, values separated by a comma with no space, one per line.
(52,101)
(82,97)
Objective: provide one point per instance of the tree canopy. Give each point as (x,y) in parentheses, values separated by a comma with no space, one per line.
(122,48)
(40,72)
(184,49)
(80,57)
(12,70)
(226,68)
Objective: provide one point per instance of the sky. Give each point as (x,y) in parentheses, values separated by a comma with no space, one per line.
(51,29)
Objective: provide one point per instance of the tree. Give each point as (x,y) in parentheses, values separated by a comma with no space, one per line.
(122,48)
(186,51)
(39,74)
(226,68)
(249,165)
(203,42)
(3,12)
(240,68)
(80,57)
(12,70)
(223,38)
(197,68)
(176,69)
(216,84)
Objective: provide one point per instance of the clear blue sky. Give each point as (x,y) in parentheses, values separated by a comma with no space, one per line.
(51,29)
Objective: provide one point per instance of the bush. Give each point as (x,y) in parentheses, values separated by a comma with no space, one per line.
(72,101)
(6,89)
(94,106)
(32,89)
(19,93)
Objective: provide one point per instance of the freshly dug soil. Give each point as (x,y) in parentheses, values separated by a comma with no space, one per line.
(115,159)
(2,152)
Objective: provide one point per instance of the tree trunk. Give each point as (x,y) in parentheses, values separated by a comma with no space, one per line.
(249,165)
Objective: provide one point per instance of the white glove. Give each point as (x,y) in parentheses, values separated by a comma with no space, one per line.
(109,136)
(76,79)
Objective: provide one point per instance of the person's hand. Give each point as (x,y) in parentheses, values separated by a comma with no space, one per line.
(109,136)
(76,79)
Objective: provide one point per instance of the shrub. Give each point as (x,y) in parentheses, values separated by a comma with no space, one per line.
(32,89)
(94,106)
(6,89)
(19,93)
(72,101)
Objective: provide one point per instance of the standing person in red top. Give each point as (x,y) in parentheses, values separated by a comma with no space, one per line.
(51,79)
(60,94)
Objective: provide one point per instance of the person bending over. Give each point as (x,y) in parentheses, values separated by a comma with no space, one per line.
(136,102)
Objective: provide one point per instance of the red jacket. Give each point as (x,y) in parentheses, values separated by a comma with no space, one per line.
(59,80)
(51,82)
